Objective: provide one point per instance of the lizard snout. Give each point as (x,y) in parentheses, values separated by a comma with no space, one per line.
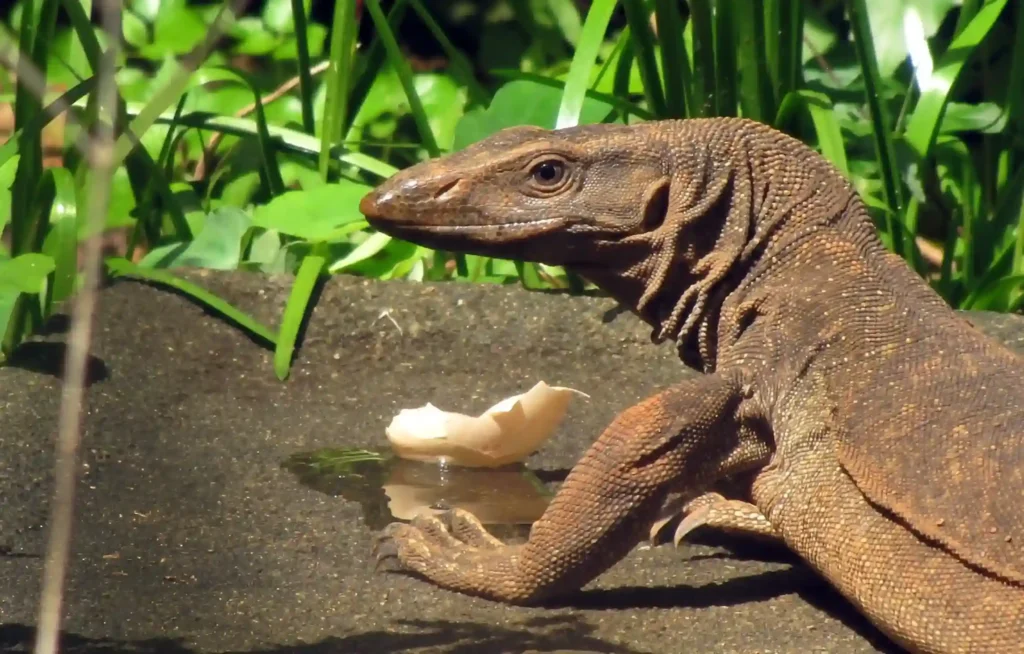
(403,195)
(372,205)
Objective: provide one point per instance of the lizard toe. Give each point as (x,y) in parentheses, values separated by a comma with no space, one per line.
(386,547)
(414,547)
(468,529)
(435,530)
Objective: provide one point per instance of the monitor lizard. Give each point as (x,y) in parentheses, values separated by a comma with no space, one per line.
(882,435)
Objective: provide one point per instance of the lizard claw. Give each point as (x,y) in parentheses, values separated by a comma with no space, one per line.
(713,510)
(730,516)
(693,520)
(669,512)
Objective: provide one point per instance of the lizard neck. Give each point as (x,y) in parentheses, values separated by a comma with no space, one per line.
(733,206)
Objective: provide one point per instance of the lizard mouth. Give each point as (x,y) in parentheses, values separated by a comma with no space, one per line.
(482,239)
(524,227)
(421,225)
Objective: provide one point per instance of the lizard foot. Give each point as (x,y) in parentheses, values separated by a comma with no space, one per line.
(453,551)
(714,510)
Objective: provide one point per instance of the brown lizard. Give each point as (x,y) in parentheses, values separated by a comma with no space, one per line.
(884,436)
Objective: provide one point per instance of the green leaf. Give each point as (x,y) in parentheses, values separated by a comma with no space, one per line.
(887,29)
(166,95)
(625,107)
(178,29)
(217,246)
(936,85)
(522,103)
(135,30)
(265,250)
(7,170)
(258,43)
(25,273)
(280,15)
(984,117)
(313,215)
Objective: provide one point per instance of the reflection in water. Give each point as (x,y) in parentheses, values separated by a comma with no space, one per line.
(507,499)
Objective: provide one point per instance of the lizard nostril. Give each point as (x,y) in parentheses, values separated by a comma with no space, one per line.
(444,188)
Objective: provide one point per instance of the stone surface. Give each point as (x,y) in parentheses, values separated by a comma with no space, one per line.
(190,537)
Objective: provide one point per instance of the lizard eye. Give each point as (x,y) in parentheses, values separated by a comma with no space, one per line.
(548,173)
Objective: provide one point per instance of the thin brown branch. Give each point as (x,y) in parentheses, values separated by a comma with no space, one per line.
(100,154)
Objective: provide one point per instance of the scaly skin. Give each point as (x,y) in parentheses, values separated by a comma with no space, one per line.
(883,434)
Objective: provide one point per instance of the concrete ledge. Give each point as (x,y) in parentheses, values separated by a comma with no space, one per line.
(190,536)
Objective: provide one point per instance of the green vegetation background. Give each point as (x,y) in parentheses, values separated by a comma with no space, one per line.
(246,133)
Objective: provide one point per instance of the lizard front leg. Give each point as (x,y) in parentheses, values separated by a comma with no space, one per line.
(686,436)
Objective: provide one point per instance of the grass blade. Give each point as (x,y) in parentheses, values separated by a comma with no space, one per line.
(674,59)
(295,310)
(577,81)
(149,219)
(881,125)
(826,126)
(937,86)
(790,38)
(338,79)
(404,72)
(119,267)
(704,96)
(169,93)
(305,66)
(726,79)
(756,95)
(269,156)
(616,101)
(646,58)
(36,36)
(461,67)
(366,67)
(61,241)
(1014,158)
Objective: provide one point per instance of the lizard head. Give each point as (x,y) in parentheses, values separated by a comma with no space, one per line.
(529,193)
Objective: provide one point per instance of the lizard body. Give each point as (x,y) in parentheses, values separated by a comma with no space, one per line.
(883,435)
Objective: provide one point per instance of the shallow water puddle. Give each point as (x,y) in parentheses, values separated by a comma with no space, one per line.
(507,499)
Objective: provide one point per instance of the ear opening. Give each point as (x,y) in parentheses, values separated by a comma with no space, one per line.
(655,205)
